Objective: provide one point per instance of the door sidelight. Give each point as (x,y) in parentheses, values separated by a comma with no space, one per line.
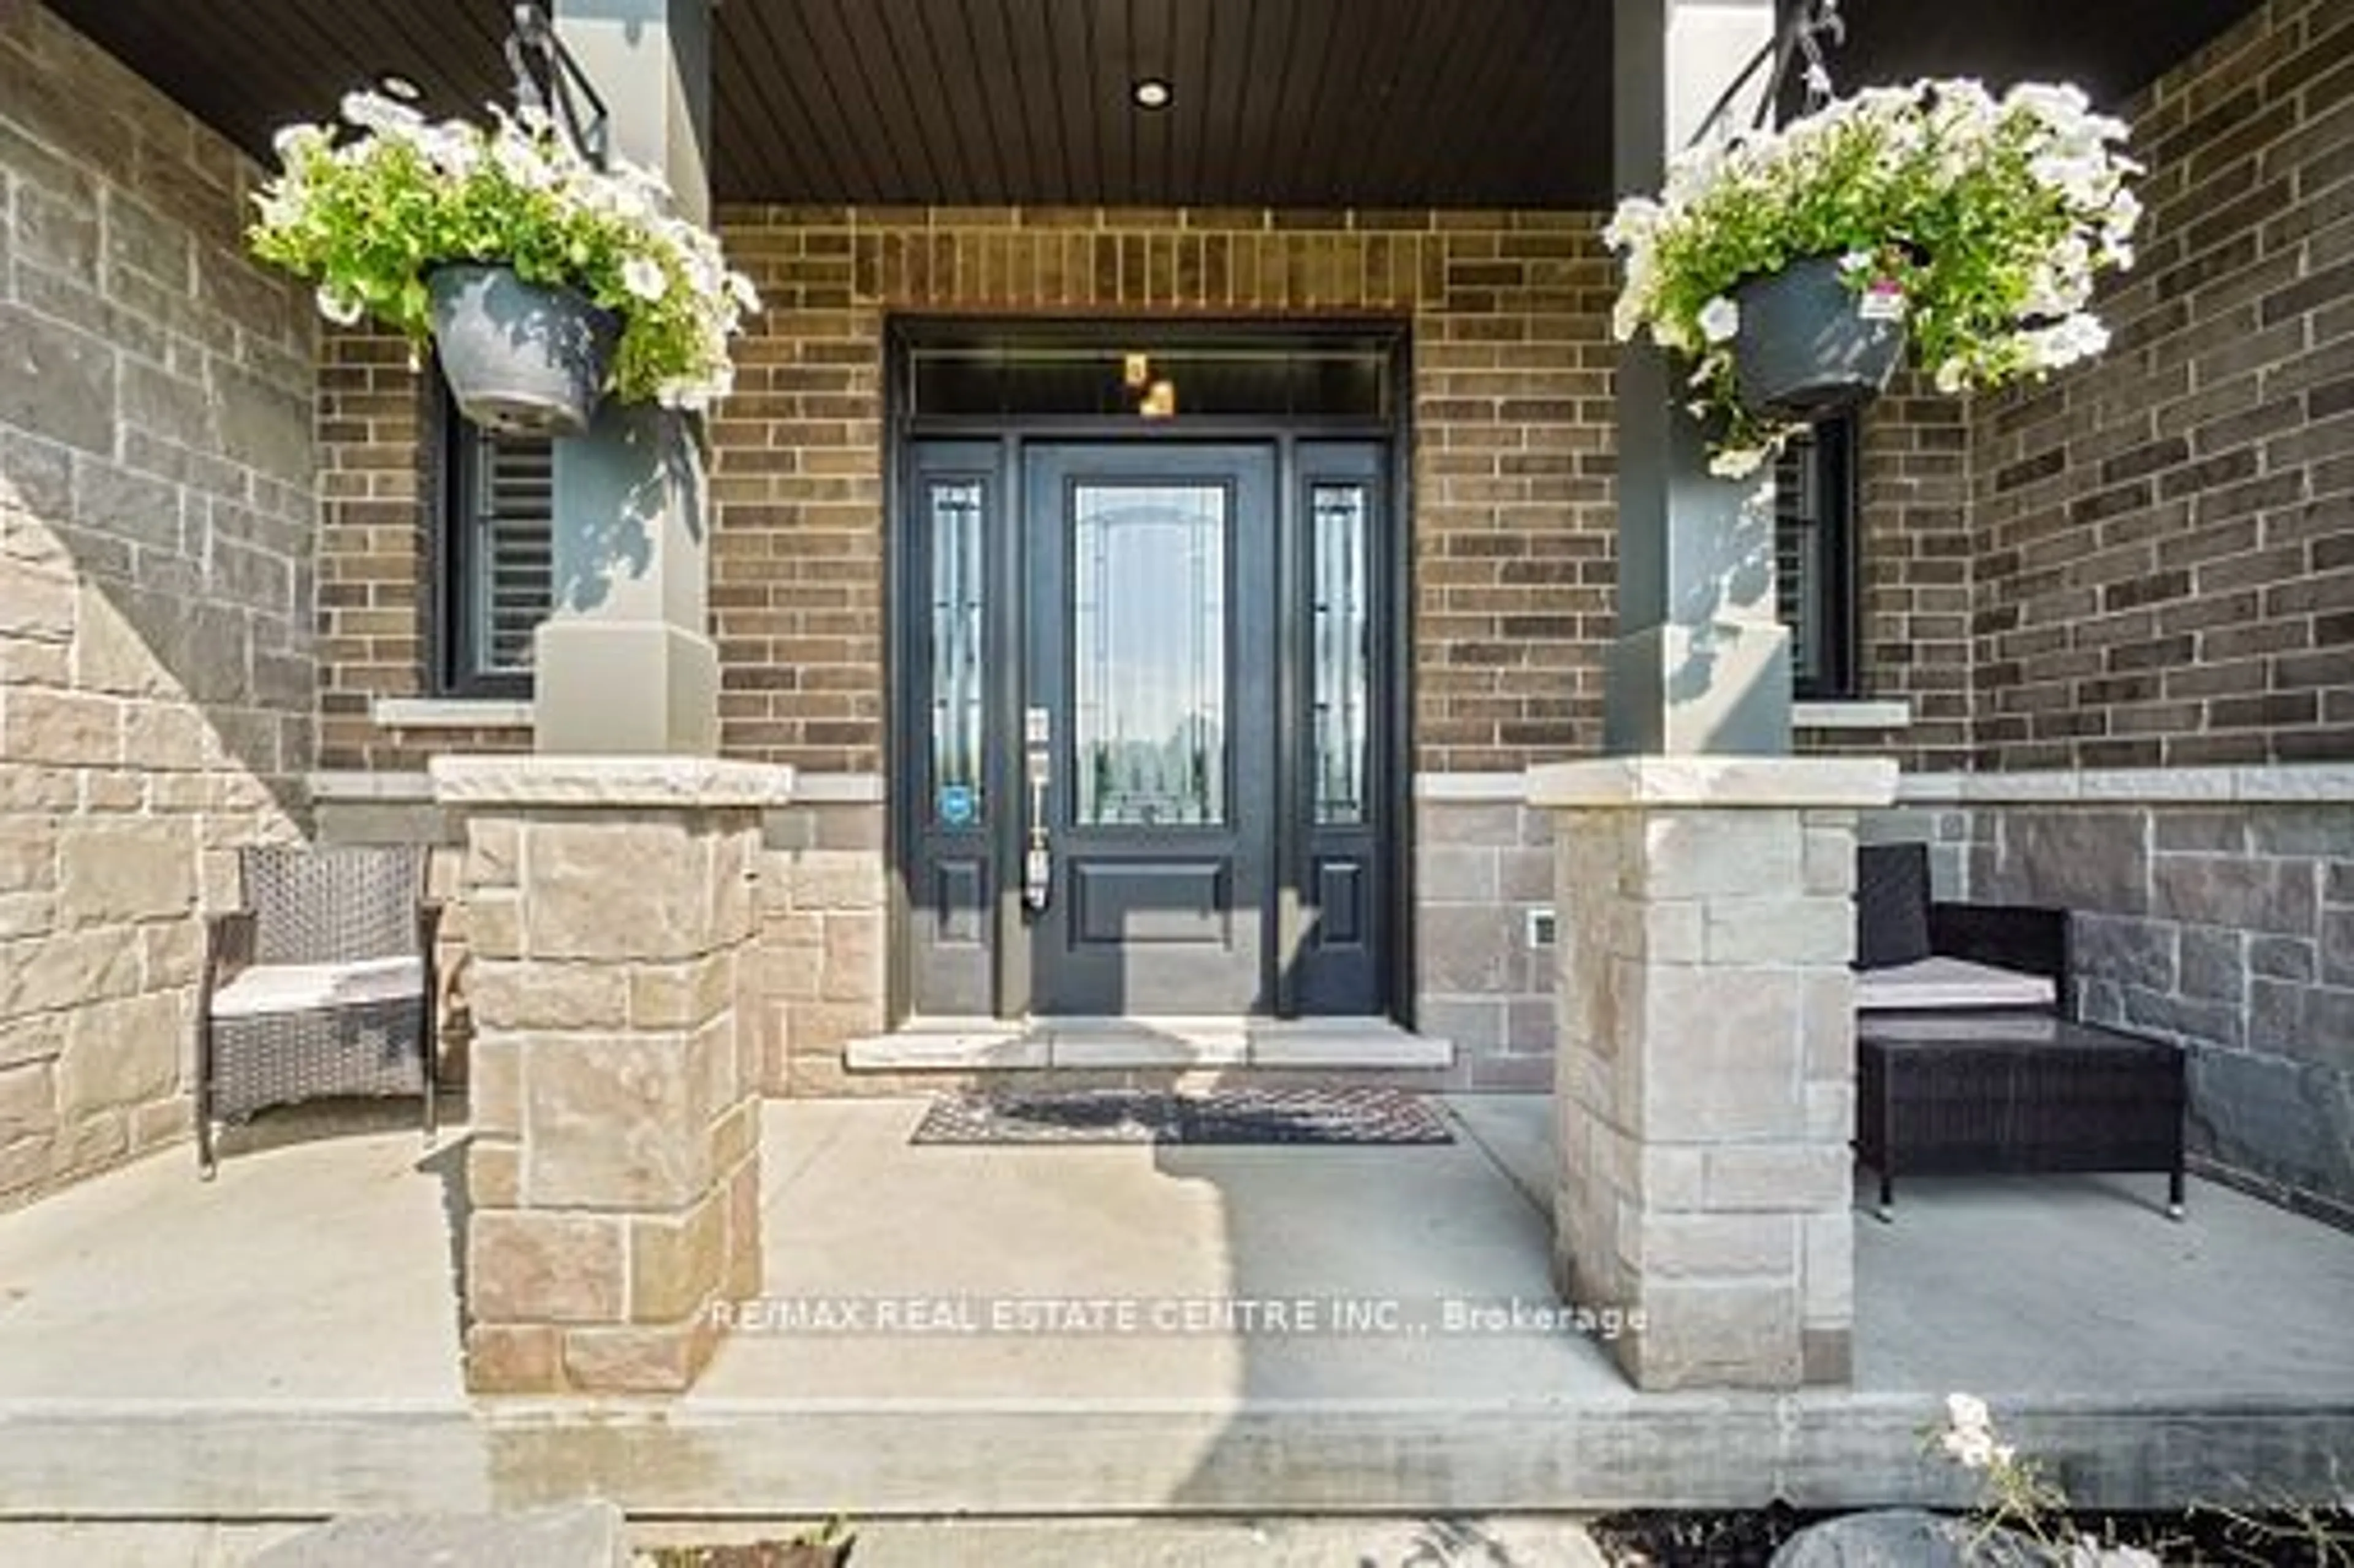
(1038,859)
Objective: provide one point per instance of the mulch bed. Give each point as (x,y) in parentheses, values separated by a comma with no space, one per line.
(2198,1538)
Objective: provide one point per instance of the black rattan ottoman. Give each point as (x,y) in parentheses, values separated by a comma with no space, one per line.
(1988,1093)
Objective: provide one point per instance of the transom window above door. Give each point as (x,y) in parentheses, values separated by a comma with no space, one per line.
(1150,377)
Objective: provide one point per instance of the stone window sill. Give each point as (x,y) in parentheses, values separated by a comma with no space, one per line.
(1879,716)
(450,713)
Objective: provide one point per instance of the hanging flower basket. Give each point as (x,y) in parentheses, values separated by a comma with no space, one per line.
(520,358)
(545,279)
(1808,347)
(1985,222)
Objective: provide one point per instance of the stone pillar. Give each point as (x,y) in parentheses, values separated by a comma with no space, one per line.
(624,661)
(1704,1066)
(1702,663)
(613,1176)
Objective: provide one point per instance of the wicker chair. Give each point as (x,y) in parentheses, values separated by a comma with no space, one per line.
(321,985)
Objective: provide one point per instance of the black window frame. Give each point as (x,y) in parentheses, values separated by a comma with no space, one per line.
(1831,671)
(455,558)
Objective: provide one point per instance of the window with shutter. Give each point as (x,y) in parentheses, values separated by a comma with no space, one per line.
(1814,506)
(500,581)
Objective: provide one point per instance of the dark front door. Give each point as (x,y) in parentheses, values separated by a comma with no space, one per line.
(1142,737)
(1149,730)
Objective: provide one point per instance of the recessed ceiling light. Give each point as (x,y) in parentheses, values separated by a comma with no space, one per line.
(1153,93)
(394,85)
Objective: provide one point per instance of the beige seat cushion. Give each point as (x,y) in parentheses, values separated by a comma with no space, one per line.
(1942,982)
(268,989)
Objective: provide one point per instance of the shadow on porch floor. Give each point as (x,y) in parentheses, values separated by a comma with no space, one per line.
(283,1343)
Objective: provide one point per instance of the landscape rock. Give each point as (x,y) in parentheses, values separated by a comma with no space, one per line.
(1906,1538)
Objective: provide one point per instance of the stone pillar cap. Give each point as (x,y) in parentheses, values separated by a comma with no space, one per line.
(677,782)
(1722,781)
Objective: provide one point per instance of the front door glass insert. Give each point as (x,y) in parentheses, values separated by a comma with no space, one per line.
(1343,679)
(1149,632)
(957,606)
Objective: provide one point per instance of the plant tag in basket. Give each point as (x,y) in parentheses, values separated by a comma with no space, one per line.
(1882,299)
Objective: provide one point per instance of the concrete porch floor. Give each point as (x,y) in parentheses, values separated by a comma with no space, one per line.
(282,1343)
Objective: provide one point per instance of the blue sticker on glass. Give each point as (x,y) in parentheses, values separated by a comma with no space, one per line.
(958,805)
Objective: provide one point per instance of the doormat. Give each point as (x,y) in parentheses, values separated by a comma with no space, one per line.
(1260,1116)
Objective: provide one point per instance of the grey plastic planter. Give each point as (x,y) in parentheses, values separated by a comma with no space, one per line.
(1803,351)
(520,359)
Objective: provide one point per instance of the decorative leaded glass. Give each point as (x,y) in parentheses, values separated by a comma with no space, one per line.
(1342,631)
(1149,642)
(957,625)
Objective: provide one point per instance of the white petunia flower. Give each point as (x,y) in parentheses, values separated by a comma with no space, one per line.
(1737,463)
(337,307)
(385,116)
(643,279)
(1719,319)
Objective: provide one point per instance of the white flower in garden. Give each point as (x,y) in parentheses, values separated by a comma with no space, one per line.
(1952,374)
(1968,1437)
(1719,319)
(643,277)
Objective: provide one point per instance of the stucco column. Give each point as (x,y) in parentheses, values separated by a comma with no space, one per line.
(613,1174)
(1702,662)
(1704,1059)
(625,663)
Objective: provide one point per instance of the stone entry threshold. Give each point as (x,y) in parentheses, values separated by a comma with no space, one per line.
(962,1045)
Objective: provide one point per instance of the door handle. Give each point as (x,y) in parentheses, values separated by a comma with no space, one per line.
(1038,858)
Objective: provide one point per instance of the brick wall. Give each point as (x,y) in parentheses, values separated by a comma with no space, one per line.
(379,497)
(2166,567)
(1511,407)
(156,685)
(1514,550)
(1512,413)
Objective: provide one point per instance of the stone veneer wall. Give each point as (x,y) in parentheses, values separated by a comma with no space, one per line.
(156,504)
(2226,925)
(819,976)
(613,1178)
(1482,867)
(2165,536)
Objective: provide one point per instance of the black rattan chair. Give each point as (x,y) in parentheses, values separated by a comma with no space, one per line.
(321,986)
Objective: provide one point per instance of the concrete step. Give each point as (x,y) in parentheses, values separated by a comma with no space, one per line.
(1444,1542)
(1404,1542)
(588,1534)
(967,1046)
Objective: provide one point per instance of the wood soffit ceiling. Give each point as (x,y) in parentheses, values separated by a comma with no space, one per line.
(1312,103)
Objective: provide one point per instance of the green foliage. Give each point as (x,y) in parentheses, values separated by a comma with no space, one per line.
(1991,219)
(367,219)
